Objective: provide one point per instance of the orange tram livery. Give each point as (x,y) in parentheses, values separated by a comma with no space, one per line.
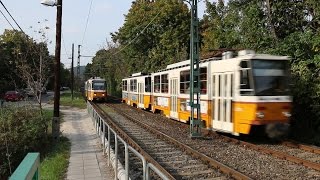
(95,89)
(238,95)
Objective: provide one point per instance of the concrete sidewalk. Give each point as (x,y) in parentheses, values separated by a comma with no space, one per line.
(86,158)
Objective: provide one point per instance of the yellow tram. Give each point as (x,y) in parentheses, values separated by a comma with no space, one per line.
(238,93)
(95,89)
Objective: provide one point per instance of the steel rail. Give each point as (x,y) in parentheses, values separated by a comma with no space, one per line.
(223,168)
(130,141)
(309,148)
(274,153)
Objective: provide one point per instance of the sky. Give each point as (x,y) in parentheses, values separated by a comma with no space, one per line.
(106,16)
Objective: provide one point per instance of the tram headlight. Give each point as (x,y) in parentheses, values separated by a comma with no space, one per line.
(102,94)
(286,114)
(95,94)
(260,115)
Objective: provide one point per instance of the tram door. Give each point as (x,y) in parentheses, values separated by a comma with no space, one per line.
(140,95)
(174,98)
(221,101)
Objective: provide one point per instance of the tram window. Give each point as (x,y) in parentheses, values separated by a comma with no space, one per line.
(245,85)
(203,80)
(164,83)
(157,84)
(231,92)
(244,64)
(98,85)
(218,83)
(147,84)
(133,85)
(213,85)
(184,82)
(124,86)
(244,74)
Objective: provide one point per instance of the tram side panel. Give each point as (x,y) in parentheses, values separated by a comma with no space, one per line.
(125,90)
(144,91)
(160,95)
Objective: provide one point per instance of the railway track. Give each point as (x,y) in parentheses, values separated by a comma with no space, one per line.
(307,156)
(249,161)
(181,161)
(293,144)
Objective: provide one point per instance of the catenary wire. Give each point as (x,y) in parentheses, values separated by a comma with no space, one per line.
(11,15)
(85,29)
(64,46)
(139,33)
(7,20)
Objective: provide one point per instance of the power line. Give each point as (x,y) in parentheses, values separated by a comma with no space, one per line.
(11,16)
(85,30)
(64,45)
(7,20)
(138,34)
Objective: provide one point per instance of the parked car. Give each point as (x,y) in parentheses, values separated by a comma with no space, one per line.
(13,96)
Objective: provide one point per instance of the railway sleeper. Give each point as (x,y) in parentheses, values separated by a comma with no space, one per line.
(153,144)
(144,138)
(192,174)
(174,162)
(163,149)
(179,158)
(167,154)
(196,166)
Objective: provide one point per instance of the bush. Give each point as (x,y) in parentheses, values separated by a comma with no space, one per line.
(22,130)
(306,100)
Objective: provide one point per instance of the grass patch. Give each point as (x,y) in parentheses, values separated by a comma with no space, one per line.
(54,157)
(55,163)
(78,101)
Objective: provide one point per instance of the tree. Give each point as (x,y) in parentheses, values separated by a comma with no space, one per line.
(28,62)
(154,34)
(276,27)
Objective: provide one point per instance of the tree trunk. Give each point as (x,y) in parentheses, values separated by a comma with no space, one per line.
(273,31)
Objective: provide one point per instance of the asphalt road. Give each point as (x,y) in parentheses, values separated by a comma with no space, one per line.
(31,100)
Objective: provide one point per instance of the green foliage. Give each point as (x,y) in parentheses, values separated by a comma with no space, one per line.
(55,162)
(78,100)
(20,55)
(306,92)
(277,27)
(22,131)
(154,34)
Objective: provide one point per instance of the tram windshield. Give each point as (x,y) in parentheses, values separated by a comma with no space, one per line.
(98,85)
(270,77)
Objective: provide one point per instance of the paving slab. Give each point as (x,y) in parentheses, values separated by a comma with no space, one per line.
(86,158)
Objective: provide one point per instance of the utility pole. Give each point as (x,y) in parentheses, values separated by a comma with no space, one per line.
(195,123)
(78,66)
(56,106)
(72,73)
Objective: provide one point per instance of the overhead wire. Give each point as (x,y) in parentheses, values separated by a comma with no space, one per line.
(7,20)
(138,33)
(64,46)
(11,15)
(85,29)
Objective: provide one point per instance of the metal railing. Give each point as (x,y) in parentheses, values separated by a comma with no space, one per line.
(120,172)
(28,168)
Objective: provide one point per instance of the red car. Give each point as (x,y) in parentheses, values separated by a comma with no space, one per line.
(13,96)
